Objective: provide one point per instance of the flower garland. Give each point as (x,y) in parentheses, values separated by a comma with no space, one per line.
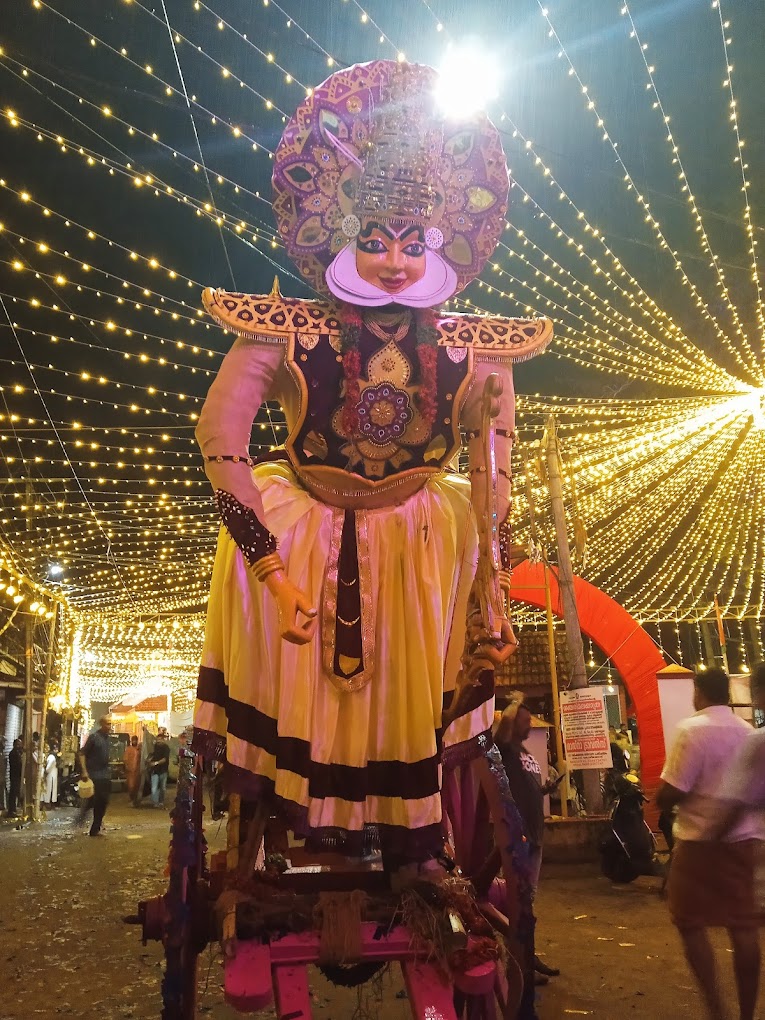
(427,356)
(351,323)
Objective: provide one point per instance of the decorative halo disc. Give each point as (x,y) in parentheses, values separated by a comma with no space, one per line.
(318,164)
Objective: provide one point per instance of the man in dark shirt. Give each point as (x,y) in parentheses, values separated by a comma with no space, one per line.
(94,764)
(15,772)
(158,764)
(525,777)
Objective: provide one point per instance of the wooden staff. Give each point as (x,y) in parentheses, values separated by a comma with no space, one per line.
(489,590)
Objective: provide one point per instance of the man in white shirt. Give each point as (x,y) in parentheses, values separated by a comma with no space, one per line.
(711,879)
(744,786)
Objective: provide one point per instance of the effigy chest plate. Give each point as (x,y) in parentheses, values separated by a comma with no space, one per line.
(392,437)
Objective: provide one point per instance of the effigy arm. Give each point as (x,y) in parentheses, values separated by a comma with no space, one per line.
(504,430)
(489,419)
(244,381)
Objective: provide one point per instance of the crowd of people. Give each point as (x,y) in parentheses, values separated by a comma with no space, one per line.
(146,769)
(152,767)
(12,793)
(712,799)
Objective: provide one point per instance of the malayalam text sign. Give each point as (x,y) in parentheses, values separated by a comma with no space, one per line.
(585,728)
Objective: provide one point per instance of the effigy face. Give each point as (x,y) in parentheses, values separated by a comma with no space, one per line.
(389,259)
(382,199)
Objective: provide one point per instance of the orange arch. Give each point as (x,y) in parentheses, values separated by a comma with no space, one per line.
(623,640)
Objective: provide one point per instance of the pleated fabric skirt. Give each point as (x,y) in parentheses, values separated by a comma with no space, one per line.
(347,767)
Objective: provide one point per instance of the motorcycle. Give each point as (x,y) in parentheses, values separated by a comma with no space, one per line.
(68,792)
(629,849)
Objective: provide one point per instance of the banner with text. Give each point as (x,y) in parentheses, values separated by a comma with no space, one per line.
(585,728)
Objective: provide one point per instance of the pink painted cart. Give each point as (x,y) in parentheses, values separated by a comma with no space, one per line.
(258,973)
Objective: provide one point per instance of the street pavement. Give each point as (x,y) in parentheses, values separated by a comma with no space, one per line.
(64,950)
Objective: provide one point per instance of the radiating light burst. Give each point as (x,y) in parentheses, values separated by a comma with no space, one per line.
(673,496)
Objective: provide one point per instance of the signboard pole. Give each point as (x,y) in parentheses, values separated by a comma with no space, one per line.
(592,792)
(550,630)
(555,694)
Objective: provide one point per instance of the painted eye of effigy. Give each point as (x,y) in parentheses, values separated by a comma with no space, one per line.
(415,250)
(372,246)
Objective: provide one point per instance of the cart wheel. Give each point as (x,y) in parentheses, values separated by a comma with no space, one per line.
(185,912)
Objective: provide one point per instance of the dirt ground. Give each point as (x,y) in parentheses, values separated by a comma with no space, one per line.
(64,950)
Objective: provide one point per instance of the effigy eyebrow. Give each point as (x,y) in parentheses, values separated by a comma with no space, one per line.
(390,234)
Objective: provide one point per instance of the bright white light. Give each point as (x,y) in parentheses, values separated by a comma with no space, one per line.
(468,79)
(756,406)
(55,569)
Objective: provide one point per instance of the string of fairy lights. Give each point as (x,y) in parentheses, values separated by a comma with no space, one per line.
(106,341)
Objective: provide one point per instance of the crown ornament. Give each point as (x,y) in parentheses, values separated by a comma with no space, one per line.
(402,156)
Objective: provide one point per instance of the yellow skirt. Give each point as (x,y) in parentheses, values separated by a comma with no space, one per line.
(342,761)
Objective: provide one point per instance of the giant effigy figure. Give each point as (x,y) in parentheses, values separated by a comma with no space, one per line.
(350,563)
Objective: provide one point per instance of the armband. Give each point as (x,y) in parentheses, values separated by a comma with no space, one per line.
(241,522)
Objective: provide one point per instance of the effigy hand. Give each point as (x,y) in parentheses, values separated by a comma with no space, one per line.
(481,657)
(290,601)
(483,651)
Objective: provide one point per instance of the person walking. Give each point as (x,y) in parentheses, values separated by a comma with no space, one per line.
(524,774)
(3,767)
(15,772)
(159,763)
(94,764)
(711,879)
(744,787)
(132,762)
(50,776)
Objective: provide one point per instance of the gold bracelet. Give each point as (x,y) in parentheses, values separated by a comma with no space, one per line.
(267,565)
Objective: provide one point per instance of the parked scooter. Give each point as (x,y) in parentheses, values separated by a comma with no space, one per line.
(629,849)
(68,792)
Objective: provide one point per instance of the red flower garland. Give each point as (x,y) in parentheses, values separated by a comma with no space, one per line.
(427,356)
(350,316)
(427,398)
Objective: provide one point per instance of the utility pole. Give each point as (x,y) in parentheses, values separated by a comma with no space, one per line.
(754,644)
(592,791)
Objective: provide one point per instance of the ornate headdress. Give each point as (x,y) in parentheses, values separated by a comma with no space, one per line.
(368,143)
(403,153)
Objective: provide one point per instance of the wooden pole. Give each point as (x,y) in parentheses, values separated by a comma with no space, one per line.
(30,780)
(550,632)
(46,693)
(233,840)
(555,694)
(710,657)
(578,678)
(721,635)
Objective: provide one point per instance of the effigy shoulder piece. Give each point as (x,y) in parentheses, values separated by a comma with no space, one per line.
(271,318)
(493,337)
